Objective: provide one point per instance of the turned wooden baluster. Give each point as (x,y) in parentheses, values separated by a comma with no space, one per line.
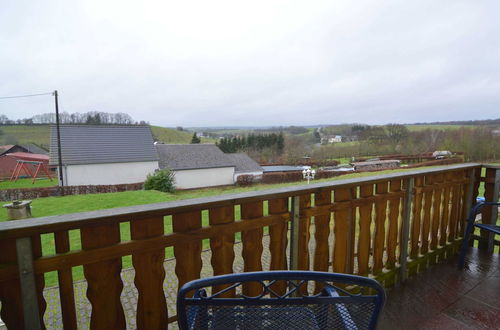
(392,235)
(278,240)
(149,275)
(222,245)
(417,214)
(65,277)
(380,220)
(365,219)
(187,253)
(252,245)
(103,278)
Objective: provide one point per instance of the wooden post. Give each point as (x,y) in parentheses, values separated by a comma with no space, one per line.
(405,228)
(28,285)
(294,234)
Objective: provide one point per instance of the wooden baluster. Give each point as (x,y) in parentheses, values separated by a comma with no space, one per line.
(10,291)
(322,232)
(252,245)
(187,253)
(462,216)
(278,241)
(352,231)
(103,278)
(341,253)
(222,246)
(392,235)
(436,210)
(454,206)
(417,211)
(426,223)
(149,276)
(66,290)
(445,220)
(304,232)
(365,219)
(380,218)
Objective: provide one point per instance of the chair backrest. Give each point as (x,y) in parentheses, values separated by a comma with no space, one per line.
(280,299)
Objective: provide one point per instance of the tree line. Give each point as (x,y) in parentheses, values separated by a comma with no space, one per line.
(88,118)
(253,142)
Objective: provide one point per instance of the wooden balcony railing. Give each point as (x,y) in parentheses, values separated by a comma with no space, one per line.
(385,226)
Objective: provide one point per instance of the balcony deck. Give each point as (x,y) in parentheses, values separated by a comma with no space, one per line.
(443,297)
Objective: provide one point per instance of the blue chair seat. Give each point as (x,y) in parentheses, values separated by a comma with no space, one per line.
(297,307)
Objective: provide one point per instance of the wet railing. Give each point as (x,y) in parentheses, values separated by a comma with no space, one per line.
(385,226)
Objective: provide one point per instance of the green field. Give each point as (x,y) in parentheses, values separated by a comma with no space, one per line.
(416,128)
(170,135)
(23,134)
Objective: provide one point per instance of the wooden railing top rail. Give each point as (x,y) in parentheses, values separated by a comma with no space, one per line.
(24,228)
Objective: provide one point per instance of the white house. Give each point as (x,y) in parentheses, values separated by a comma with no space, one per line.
(245,166)
(196,165)
(104,154)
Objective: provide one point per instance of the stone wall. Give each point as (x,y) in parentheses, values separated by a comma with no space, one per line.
(32,193)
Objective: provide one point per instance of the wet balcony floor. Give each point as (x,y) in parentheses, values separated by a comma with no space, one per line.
(443,297)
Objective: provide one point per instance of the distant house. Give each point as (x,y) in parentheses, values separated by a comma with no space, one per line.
(245,165)
(34,149)
(440,154)
(331,139)
(104,154)
(31,148)
(196,165)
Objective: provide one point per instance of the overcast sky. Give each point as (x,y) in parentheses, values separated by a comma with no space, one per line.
(243,63)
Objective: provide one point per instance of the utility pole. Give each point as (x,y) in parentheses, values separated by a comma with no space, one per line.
(61,177)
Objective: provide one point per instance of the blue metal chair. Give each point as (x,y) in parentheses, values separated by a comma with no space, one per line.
(471,224)
(343,302)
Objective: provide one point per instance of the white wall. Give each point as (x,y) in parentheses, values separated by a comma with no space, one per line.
(207,177)
(111,173)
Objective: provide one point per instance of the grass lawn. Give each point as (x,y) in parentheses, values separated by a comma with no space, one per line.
(80,203)
(27,183)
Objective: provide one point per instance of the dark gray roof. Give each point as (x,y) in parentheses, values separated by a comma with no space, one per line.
(34,149)
(281,168)
(191,156)
(98,144)
(244,163)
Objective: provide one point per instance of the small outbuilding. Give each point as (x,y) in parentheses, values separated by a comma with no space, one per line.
(245,166)
(375,165)
(104,154)
(196,165)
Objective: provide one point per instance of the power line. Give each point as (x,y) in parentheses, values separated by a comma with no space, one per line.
(26,95)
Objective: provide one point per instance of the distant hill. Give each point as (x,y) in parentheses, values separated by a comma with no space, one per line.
(23,134)
(40,135)
(487,122)
(170,135)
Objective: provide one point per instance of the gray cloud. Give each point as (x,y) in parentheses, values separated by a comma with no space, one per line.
(199,63)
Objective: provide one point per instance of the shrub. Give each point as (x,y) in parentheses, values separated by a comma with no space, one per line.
(245,180)
(162,180)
